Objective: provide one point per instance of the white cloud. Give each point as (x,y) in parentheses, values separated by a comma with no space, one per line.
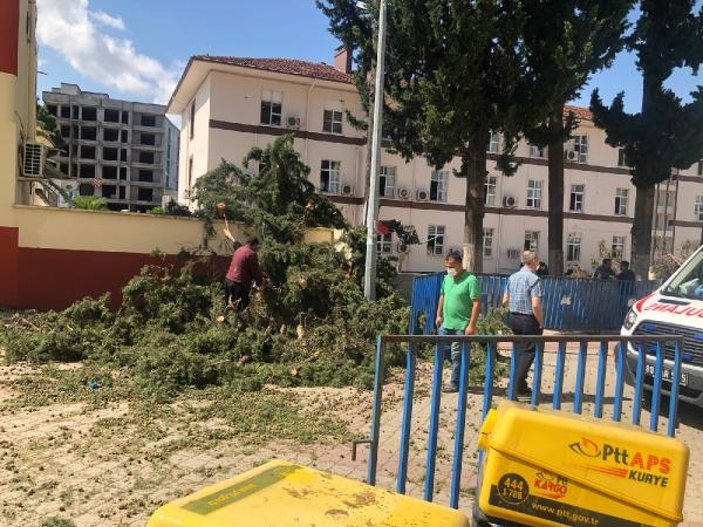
(107,20)
(67,27)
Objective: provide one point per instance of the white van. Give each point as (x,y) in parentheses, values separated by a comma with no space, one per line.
(675,308)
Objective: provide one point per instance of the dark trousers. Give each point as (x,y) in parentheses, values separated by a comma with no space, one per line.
(237,294)
(523,325)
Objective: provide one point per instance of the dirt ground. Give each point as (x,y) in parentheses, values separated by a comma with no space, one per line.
(96,462)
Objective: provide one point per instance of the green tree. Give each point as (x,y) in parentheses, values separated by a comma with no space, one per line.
(565,42)
(666,133)
(453,74)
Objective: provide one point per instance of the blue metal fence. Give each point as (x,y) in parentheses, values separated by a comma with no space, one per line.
(643,346)
(568,305)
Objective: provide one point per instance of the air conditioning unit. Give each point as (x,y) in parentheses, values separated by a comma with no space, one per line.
(404,193)
(347,189)
(571,155)
(33,157)
(509,201)
(423,195)
(403,248)
(513,254)
(293,122)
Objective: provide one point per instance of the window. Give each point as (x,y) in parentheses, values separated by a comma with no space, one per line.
(110,154)
(125,117)
(66,112)
(111,134)
(75,110)
(87,171)
(123,173)
(435,240)
(531,241)
(618,248)
(488,242)
(576,200)
(489,191)
(146,175)
(699,208)
(147,139)
(87,152)
(192,119)
(109,172)
(538,152)
(332,121)
(65,131)
(384,243)
(663,220)
(90,113)
(52,109)
(700,167)
(271,107)
(573,247)
(123,155)
(534,194)
(148,120)
(145,194)
(621,195)
(146,157)
(89,133)
(387,182)
(581,148)
(122,192)
(493,143)
(438,186)
(622,159)
(190,173)
(111,116)
(329,176)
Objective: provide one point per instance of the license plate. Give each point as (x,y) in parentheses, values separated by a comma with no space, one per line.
(667,374)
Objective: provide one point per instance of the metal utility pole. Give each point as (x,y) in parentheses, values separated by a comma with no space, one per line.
(372,206)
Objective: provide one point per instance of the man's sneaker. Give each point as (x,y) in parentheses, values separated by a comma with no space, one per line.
(450,388)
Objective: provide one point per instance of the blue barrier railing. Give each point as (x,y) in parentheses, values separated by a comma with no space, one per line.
(569,304)
(636,346)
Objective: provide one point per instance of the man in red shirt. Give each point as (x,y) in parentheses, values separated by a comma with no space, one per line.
(243,272)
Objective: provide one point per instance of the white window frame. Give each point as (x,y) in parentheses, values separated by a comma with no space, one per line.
(488,237)
(573,247)
(698,208)
(331,170)
(435,240)
(387,178)
(274,99)
(490,190)
(622,197)
(332,119)
(494,142)
(577,197)
(532,238)
(384,243)
(538,153)
(439,183)
(534,194)
(580,145)
(618,246)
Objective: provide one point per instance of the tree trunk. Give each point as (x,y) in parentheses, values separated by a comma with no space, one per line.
(555,154)
(642,232)
(473,168)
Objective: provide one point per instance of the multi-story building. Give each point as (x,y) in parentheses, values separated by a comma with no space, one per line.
(125,152)
(230,104)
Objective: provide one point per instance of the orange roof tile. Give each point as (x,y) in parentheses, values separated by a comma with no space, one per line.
(287,66)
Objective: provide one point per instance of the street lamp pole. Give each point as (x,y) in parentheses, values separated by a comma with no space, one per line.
(372,205)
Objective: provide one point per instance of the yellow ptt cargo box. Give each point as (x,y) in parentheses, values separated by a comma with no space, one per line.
(282,494)
(552,468)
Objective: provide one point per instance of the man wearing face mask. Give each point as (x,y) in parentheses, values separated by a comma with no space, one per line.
(524,297)
(457,310)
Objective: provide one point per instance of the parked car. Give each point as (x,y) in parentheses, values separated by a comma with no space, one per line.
(676,307)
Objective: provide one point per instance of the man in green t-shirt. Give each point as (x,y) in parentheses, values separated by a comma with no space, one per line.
(457,310)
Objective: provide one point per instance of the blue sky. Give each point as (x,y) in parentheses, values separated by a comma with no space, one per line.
(136,49)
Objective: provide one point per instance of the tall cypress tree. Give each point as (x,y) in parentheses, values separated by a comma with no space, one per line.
(566,41)
(666,133)
(454,73)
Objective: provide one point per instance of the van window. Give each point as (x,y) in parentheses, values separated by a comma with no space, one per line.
(688,280)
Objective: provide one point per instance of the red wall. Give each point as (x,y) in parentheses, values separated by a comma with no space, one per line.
(9,33)
(55,278)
